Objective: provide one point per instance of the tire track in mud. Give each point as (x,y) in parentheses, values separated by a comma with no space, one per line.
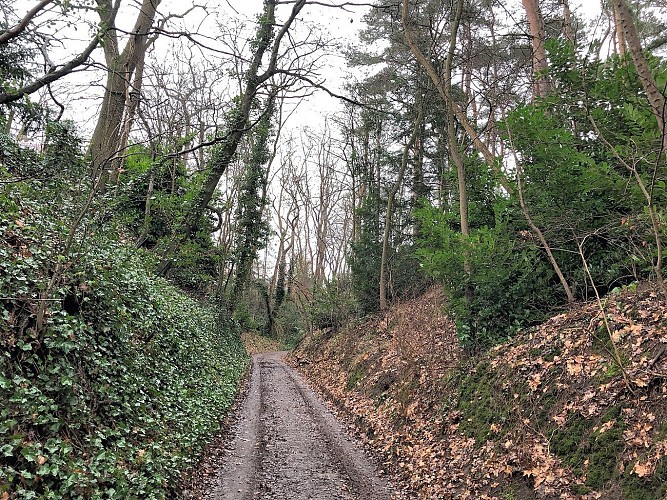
(287,445)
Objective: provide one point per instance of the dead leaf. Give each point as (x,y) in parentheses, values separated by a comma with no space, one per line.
(606,426)
(642,470)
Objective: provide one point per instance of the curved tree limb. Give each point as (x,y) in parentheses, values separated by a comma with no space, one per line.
(52,75)
(23,23)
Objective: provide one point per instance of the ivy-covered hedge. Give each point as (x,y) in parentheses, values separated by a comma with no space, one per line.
(116,390)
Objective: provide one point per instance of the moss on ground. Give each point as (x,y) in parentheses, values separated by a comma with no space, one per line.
(637,488)
(570,443)
(353,378)
(577,444)
(603,459)
(482,403)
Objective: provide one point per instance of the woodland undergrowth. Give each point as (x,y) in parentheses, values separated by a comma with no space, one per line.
(111,380)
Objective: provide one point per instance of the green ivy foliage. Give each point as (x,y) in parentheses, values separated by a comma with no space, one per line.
(117,390)
(150,216)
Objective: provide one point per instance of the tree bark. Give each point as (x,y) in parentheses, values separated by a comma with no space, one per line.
(460,115)
(106,140)
(390,207)
(618,31)
(567,21)
(538,36)
(453,144)
(655,97)
(132,100)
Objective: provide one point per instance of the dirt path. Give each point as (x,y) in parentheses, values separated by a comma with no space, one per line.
(287,445)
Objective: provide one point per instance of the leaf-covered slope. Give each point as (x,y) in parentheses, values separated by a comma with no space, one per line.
(549,415)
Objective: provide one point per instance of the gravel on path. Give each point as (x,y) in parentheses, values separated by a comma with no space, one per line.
(287,445)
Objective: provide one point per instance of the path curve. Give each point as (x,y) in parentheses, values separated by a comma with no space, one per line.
(288,445)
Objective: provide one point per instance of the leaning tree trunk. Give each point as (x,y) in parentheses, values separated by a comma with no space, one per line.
(105,144)
(655,96)
(460,115)
(223,156)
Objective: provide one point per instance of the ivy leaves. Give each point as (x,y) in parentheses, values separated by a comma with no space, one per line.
(114,397)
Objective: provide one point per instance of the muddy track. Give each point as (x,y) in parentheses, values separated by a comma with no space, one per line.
(287,445)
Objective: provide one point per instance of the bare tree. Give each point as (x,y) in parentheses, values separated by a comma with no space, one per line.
(239,119)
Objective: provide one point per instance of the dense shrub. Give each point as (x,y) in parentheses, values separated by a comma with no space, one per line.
(591,204)
(512,283)
(115,391)
(333,304)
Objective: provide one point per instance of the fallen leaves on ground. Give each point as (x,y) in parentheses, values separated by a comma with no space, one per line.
(255,343)
(398,378)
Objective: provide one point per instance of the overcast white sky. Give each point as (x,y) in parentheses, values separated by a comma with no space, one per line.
(336,23)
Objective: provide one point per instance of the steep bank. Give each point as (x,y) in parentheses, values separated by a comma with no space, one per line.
(122,383)
(551,414)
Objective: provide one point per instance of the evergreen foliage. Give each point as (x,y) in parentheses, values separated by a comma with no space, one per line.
(14,60)
(252,228)
(111,380)
(575,189)
(151,198)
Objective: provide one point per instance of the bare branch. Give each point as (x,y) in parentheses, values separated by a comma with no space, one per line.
(321,86)
(52,75)
(21,26)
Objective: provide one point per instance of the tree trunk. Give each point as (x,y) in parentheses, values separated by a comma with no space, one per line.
(453,145)
(538,36)
(105,143)
(655,97)
(223,156)
(390,207)
(131,103)
(567,21)
(619,37)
